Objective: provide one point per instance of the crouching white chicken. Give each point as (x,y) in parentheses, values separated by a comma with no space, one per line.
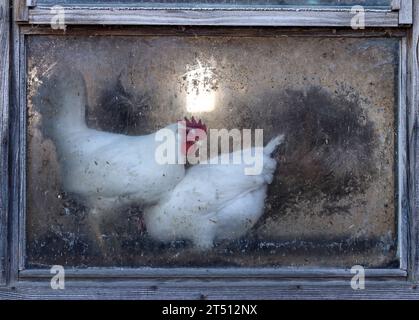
(103,170)
(213,202)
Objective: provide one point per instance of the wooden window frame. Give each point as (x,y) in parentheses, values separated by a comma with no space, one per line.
(200,283)
(400,12)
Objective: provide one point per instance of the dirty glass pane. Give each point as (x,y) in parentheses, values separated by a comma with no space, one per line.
(97,196)
(221,3)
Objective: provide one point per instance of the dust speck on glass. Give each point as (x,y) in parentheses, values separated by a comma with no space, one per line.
(328,195)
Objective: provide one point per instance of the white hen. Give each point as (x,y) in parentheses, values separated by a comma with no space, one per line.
(213,202)
(104,170)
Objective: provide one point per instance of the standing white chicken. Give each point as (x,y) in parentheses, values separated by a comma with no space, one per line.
(104,170)
(213,202)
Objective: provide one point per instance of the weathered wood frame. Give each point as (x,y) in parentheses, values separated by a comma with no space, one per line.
(4,131)
(195,283)
(399,13)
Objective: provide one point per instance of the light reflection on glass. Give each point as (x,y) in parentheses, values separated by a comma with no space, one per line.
(200,84)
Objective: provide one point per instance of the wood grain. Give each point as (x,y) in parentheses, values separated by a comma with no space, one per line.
(20,10)
(413,141)
(4,131)
(405,12)
(194,289)
(403,193)
(395,4)
(139,16)
(17,123)
(216,273)
(194,31)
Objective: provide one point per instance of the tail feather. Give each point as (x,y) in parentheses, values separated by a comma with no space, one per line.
(273,144)
(269,163)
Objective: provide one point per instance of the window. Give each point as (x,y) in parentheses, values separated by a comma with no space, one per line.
(336,185)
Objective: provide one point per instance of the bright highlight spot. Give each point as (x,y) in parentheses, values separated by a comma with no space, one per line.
(200,84)
(200,102)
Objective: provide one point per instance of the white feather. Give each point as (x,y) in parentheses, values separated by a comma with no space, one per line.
(212,202)
(103,170)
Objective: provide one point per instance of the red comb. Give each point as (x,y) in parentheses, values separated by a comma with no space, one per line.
(193,124)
